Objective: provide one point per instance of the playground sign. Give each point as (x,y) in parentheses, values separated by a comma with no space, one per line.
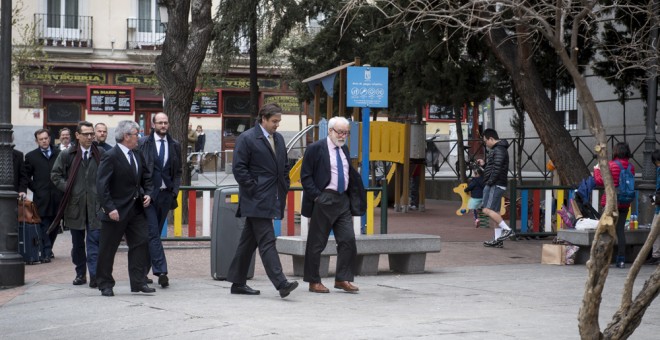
(367,86)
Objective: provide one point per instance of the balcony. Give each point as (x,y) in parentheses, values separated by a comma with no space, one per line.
(144,34)
(72,31)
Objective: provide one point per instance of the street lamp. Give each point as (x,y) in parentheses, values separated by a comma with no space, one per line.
(12,267)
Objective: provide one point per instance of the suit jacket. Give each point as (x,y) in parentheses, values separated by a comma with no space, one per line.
(263,177)
(315,177)
(83,203)
(45,194)
(117,185)
(173,168)
(20,176)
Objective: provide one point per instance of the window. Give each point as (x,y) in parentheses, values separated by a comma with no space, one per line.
(147,12)
(62,14)
(571,119)
(566,108)
(236,104)
(61,21)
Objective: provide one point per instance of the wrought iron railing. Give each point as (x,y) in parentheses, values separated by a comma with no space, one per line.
(75,31)
(144,34)
(534,156)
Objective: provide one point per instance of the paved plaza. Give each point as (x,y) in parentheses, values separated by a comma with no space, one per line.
(468,292)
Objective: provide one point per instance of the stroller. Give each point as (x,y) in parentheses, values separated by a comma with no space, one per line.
(583,198)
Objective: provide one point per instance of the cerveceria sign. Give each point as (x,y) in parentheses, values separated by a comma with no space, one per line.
(110,99)
(93,78)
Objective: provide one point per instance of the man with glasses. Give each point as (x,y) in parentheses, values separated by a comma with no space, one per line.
(123,186)
(163,160)
(74,173)
(332,194)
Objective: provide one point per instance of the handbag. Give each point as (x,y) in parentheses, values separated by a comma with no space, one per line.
(27,212)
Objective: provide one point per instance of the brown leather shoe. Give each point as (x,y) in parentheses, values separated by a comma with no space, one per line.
(346,286)
(318,287)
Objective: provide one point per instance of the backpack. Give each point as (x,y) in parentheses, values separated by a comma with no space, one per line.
(626,189)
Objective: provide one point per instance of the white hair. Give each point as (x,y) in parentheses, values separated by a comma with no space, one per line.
(334,120)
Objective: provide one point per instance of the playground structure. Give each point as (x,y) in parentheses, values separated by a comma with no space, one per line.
(387,141)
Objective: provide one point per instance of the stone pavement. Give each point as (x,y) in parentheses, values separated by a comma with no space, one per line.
(468,292)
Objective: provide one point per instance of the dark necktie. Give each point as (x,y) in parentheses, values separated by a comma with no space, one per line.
(85,158)
(46,154)
(130,155)
(340,172)
(161,153)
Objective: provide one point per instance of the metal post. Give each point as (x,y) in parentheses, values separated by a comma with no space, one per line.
(647,184)
(383,207)
(366,113)
(12,267)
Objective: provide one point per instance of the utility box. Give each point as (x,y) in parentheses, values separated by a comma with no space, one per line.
(226,231)
(229,160)
(417,141)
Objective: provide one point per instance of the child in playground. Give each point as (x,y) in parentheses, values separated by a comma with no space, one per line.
(476,190)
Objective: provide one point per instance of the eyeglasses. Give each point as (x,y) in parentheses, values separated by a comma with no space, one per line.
(340,132)
(132,134)
(87,134)
(162,123)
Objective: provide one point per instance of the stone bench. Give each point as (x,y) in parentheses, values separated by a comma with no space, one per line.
(406,252)
(584,238)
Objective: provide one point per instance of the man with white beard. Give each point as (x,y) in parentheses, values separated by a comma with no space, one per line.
(333,193)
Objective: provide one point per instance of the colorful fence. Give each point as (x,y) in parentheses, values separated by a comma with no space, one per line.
(530,216)
(198,226)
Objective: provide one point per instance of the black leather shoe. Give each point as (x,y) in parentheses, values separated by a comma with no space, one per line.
(107,292)
(92,282)
(163,281)
(46,260)
(79,280)
(243,290)
(144,289)
(148,280)
(288,287)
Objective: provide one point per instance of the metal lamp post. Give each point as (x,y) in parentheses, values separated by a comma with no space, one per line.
(12,267)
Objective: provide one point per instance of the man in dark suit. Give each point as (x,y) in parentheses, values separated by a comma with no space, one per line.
(163,159)
(65,139)
(38,164)
(123,186)
(262,172)
(332,194)
(101,135)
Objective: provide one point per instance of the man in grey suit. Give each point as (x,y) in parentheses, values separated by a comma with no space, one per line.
(262,172)
(123,185)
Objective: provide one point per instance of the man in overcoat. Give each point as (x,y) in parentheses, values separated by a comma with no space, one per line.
(38,164)
(262,172)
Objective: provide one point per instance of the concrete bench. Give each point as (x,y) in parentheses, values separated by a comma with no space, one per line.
(406,252)
(584,238)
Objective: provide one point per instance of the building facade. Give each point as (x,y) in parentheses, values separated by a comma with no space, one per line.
(100,67)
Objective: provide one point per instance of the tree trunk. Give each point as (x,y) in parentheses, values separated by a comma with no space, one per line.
(177,67)
(526,80)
